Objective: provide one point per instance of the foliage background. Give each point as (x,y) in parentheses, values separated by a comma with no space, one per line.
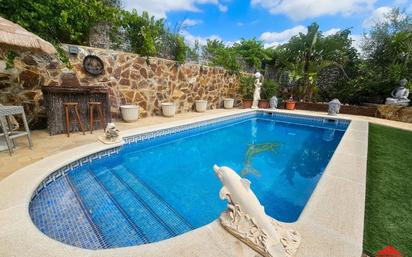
(310,67)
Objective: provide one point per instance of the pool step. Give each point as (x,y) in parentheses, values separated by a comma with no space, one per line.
(137,211)
(49,211)
(112,224)
(170,217)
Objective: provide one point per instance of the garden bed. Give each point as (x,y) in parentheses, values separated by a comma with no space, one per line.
(389,112)
(370,111)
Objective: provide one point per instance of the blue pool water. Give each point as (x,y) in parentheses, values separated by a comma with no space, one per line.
(158,188)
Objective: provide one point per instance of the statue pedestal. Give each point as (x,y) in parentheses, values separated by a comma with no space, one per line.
(244,227)
(395,101)
(107,141)
(245,218)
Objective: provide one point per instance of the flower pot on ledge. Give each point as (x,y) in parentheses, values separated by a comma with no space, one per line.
(247,103)
(130,113)
(169,109)
(264,104)
(201,105)
(228,103)
(290,104)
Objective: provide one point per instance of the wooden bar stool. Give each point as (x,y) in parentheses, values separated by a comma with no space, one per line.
(98,105)
(67,107)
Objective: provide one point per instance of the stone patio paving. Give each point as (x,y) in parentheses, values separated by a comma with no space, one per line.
(45,145)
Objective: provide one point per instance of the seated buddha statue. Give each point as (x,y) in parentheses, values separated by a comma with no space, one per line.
(399,95)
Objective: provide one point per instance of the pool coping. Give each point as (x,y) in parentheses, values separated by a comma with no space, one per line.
(331,223)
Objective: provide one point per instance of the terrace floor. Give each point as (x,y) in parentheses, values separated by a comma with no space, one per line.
(45,145)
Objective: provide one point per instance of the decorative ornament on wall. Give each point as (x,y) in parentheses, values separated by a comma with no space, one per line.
(93,65)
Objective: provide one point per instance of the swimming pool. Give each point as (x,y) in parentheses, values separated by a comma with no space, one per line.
(161,184)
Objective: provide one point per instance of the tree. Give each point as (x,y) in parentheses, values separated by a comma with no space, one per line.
(218,54)
(143,32)
(193,53)
(180,49)
(305,55)
(212,49)
(341,64)
(251,52)
(67,21)
(387,51)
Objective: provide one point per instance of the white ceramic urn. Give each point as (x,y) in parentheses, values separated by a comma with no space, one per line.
(228,103)
(201,105)
(169,109)
(129,113)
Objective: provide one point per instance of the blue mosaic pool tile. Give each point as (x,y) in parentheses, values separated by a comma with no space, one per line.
(115,228)
(197,127)
(185,128)
(140,216)
(313,121)
(79,163)
(58,214)
(169,215)
(91,207)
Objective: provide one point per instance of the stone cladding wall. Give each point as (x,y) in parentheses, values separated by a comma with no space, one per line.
(21,84)
(132,79)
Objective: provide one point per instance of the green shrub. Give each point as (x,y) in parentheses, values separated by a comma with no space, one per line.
(269,89)
(246,86)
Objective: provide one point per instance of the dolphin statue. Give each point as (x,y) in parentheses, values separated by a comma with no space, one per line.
(246,217)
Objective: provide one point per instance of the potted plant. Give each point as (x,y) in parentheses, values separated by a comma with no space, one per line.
(130,112)
(228,103)
(201,105)
(246,88)
(169,109)
(269,89)
(290,104)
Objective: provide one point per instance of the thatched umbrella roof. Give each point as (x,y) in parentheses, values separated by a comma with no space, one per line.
(14,35)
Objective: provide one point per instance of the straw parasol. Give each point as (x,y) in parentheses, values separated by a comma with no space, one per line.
(14,35)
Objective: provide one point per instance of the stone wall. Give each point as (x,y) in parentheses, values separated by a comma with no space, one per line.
(131,79)
(393,112)
(21,84)
(370,111)
(389,112)
(149,82)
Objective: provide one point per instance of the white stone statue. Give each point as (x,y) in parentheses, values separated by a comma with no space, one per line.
(246,219)
(334,107)
(258,86)
(111,134)
(399,95)
(273,102)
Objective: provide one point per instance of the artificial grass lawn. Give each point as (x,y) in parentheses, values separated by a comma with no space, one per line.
(388,213)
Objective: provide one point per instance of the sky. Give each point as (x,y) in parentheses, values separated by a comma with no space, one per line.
(272,21)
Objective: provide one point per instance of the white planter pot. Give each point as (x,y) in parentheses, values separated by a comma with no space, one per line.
(228,103)
(169,109)
(130,113)
(201,105)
